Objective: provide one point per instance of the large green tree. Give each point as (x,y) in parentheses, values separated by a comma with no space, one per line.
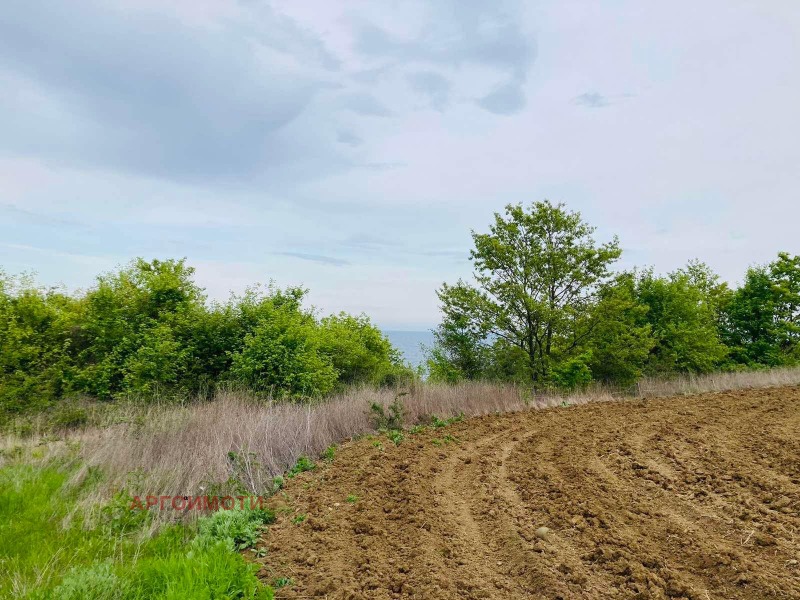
(537,273)
(682,316)
(762,317)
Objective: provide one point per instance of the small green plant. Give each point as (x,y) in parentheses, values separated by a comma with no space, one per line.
(277,483)
(417,429)
(438,423)
(395,435)
(119,518)
(352,499)
(96,582)
(388,418)
(260,552)
(298,519)
(282,582)
(330,453)
(378,445)
(239,528)
(448,439)
(302,465)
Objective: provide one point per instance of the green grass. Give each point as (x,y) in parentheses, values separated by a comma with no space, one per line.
(48,552)
(303,464)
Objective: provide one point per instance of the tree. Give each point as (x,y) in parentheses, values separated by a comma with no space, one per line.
(621,337)
(537,274)
(683,323)
(762,317)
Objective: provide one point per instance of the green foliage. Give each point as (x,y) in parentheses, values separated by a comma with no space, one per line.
(147,332)
(762,317)
(537,273)
(438,423)
(283,356)
(302,465)
(682,321)
(573,373)
(69,416)
(239,528)
(389,418)
(49,553)
(544,311)
(395,435)
(329,454)
(359,351)
(281,582)
(621,338)
(96,582)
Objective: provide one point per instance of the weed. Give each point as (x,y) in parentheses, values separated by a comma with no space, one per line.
(245,471)
(395,435)
(391,417)
(119,518)
(330,453)
(352,499)
(239,528)
(282,582)
(298,519)
(97,582)
(438,423)
(378,445)
(303,464)
(448,439)
(65,558)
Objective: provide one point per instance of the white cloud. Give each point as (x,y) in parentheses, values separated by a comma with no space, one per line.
(351,147)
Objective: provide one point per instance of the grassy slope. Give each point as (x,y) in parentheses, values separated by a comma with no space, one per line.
(45,552)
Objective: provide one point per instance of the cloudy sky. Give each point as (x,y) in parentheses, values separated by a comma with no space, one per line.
(351,146)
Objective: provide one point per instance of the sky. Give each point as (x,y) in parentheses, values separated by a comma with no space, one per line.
(351,147)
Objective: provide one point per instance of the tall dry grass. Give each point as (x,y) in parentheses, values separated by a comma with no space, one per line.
(195,449)
(719,382)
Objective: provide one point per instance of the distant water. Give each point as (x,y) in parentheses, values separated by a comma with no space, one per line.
(410,344)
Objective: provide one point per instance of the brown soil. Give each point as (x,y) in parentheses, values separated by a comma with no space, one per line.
(695,497)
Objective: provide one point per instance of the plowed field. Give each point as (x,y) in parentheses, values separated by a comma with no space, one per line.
(694,497)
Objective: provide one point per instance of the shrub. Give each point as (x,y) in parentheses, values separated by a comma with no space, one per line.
(146,331)
(390,418)
(96,582)
(239,528)
(573,373)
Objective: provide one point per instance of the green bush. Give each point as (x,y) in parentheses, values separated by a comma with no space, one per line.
(96,582)
(573,374)
(239,528)
(147,331)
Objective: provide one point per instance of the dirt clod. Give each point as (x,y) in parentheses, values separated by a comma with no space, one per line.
(543,533)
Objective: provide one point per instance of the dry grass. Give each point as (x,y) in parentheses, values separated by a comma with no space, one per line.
(719,382)
(188,450)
